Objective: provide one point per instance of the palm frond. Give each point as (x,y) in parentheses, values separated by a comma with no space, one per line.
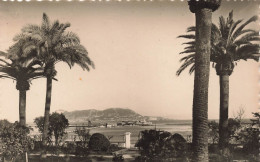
(229,42)
(230,17)
(248,51)
(190,43)
(63,27)
(222,24)
(75,55)
(188,36)
(188,51)
(49,42)
(191,47)
(190,56)
(215,31)
(4,61)
(191,29)
(185,65)
(247,38)
(2,53)
(231,30)
(45,23)
(31,28)
(55,26)
(35,62)
(21,36)
(192,69)
(36,75)
(243,32)
(241,27)
(6,76)
(69,38)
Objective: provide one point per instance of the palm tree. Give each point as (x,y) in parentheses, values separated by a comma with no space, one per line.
(23,71)
(54,45)
(230,42)
(203,12)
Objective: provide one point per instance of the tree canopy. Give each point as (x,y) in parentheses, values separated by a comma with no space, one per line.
(57,126)
(230,42)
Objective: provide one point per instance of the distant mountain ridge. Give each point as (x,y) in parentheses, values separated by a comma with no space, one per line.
(111,114)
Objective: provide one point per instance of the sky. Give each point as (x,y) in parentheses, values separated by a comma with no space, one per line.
(135,49)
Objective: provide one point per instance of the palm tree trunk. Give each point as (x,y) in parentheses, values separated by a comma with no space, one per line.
(223,119)
(22,113)
(201,84)
(47,110)
(22,107)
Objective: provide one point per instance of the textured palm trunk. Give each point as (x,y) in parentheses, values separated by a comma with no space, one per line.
(22,114)
(223,119)
(22,107)
(201,84)
(47,110)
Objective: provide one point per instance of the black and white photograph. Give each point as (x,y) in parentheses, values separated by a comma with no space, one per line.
(129,80)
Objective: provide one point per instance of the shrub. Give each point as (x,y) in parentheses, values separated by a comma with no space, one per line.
(213,134)
(14,140)
(4,123)
(81,149)
(161,145)
(233,126)
(250,135)
(113,148)
(151,142)
(69,147)
(98,142)
(176,145)
(81,146)
(118,157)
(141,159)
(57,126)
(83,134)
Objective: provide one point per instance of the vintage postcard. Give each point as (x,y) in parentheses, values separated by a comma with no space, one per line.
(129,80)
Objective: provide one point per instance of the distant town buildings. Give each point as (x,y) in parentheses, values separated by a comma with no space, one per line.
(140,123)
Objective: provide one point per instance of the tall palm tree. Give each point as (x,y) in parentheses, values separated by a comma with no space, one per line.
(23,71)
(230,42)
(203,13)
(54,44)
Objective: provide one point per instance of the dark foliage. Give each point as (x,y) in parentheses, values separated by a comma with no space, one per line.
(98,142)
(157,145)
(176,146)
(14,140)
(118,157)
(198,5)
(141,159)
(83,134)
(113,148)
(60,159)
(82,148)
(233,126)
(213,132)
(57,126)
(69,147)
(4,123)
(249,137)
